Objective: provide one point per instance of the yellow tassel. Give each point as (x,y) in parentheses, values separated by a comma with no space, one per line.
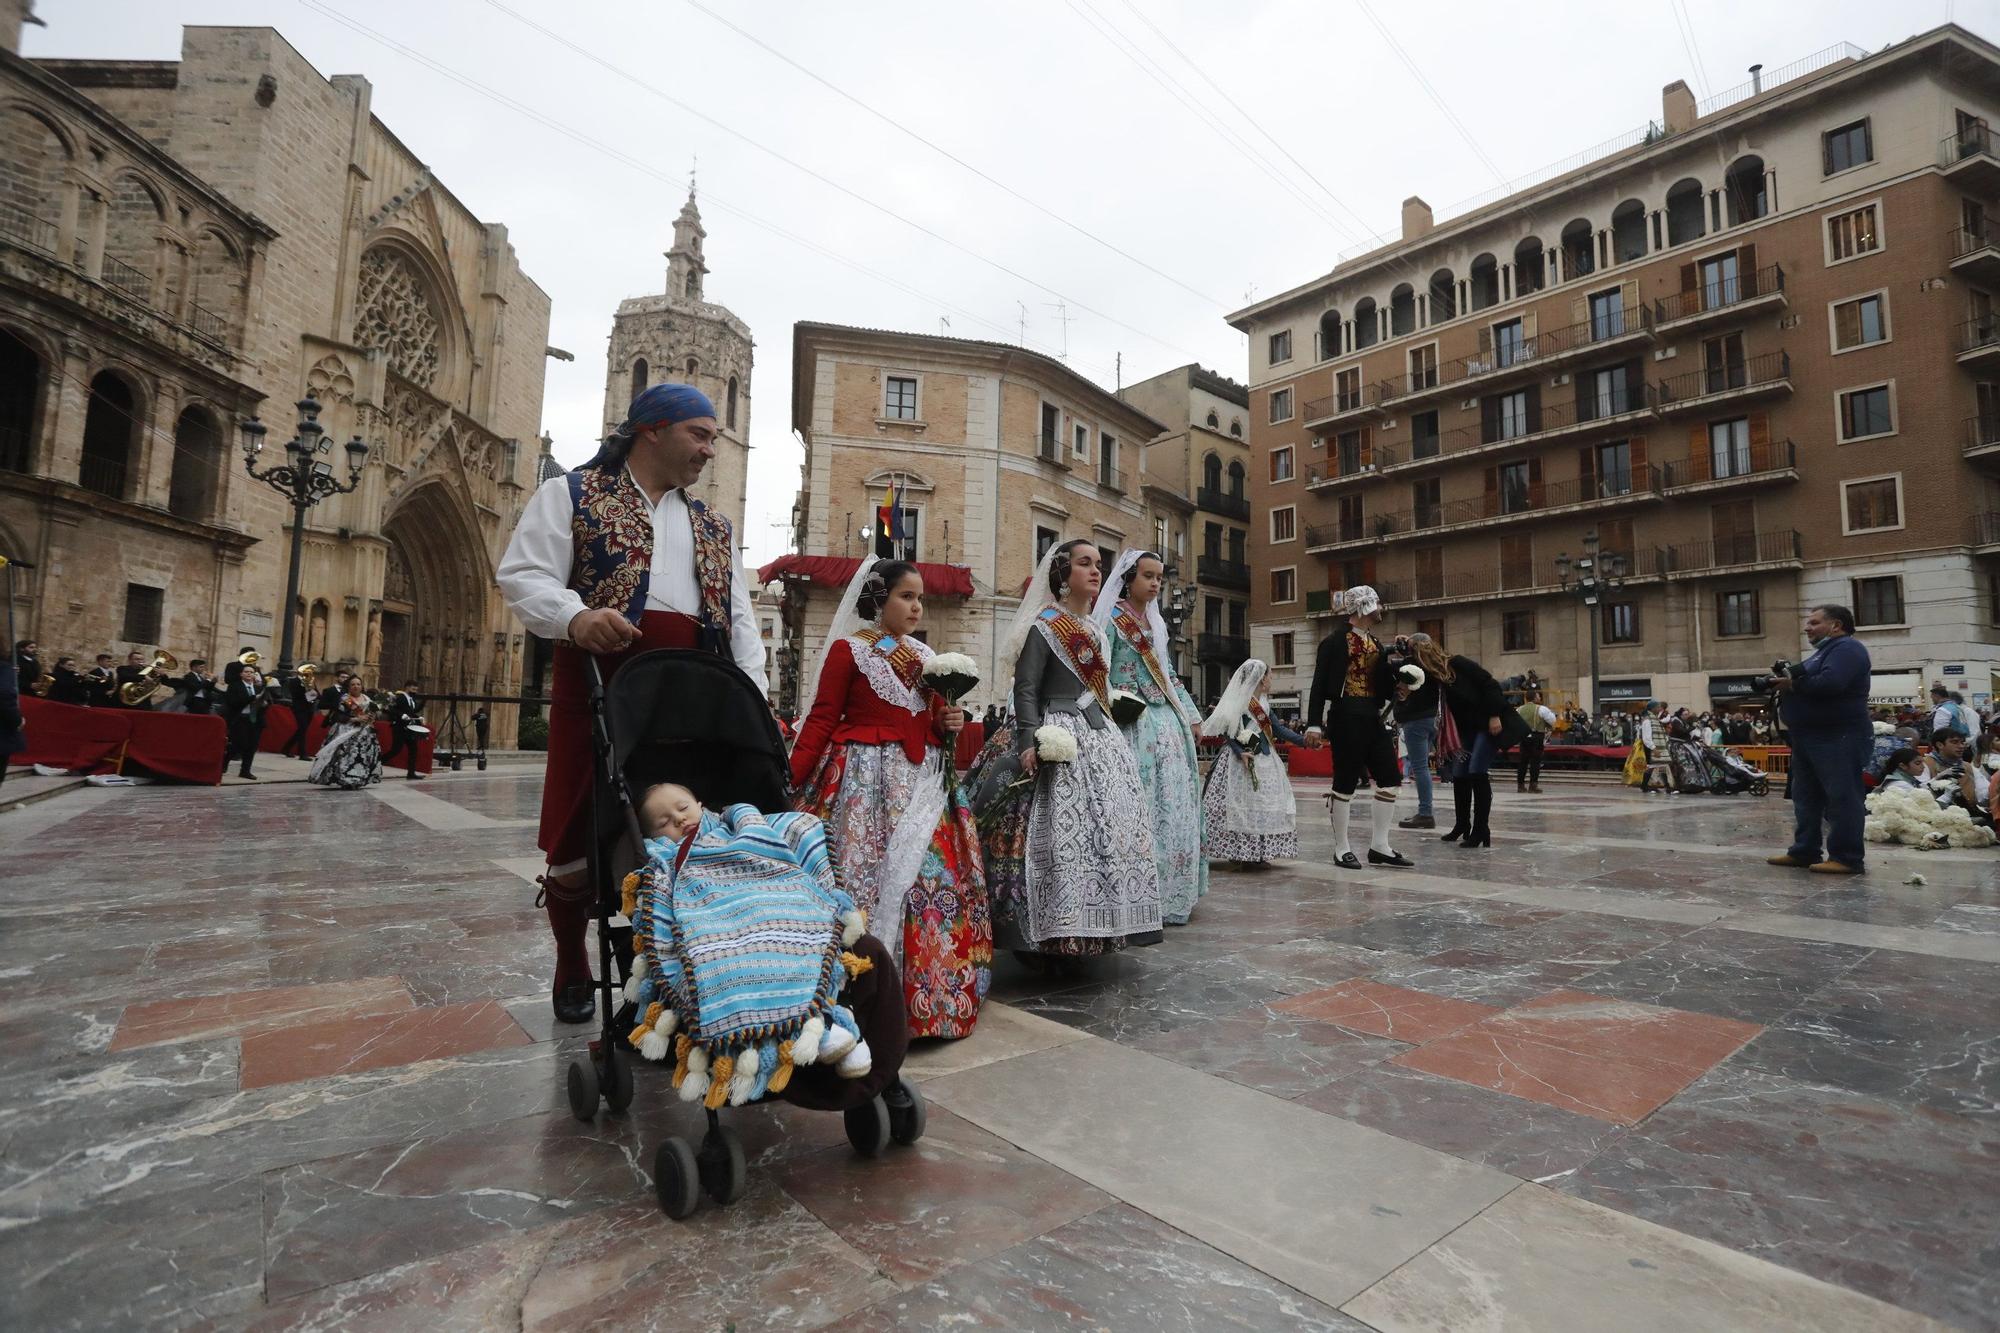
(630,890)
(639,1032)
(856,964)
(783,1074)
(653,1012)
(718,1082)
(682,1045)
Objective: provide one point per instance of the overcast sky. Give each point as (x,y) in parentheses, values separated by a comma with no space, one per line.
(1088,109)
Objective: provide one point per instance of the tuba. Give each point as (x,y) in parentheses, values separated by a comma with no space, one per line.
(135,692)
(249,657)
(41,685)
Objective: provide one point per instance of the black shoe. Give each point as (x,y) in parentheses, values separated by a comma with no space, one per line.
(247,777)
(1481,838)
(574,1003)
(1417,821)
(1392,857)
(409,777)
(1457,832)
(1347,861)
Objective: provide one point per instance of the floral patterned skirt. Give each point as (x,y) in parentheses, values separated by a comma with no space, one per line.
(868,796)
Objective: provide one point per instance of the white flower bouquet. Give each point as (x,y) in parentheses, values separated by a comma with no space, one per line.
(1410,675)
(1053,745)
(1126,707)
(951,677)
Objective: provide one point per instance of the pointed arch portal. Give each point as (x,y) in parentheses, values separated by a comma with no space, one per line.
(434,611)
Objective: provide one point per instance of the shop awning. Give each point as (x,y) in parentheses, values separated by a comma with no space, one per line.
(833,571)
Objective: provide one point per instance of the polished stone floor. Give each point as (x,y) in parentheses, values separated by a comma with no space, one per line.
(276,1057)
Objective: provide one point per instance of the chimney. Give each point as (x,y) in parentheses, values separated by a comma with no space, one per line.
(1677,107)
(1416,218)
(1756,78)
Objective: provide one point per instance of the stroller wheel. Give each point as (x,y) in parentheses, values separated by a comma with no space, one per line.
(723,1170)
(1761,787)
(906,1122)
(675,1178)
(583,1089)
(616,1077)
(868,1127)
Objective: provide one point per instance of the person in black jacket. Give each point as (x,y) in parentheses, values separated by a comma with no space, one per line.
(243,714)
(404,708)
(1353,681)
(197,688)
(69,687)
(100,684)
(11,740)
(1486,726)
(1417,715)
(299,700)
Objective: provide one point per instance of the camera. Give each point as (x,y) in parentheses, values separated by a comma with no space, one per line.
(1780,669)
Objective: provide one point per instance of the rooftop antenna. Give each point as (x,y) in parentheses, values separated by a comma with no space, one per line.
(1063,317)
(944,325)
(694,165)
(1024,322)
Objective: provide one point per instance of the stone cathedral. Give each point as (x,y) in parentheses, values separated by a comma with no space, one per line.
(679,337)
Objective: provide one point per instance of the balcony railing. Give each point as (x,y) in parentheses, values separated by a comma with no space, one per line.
(19,225)
(1768,370)
(1982,432)
(127,279)
(1979,335)
(1051,450)
(1223,503)
(15,449)
(207,323)
(1223,573)
(1641,483)
(1526,354)
(106,476)
(1333,534)
(1983,530)
(1751,548)
(1725,465)
(1969,240)
(1720,295)
(1229,649)
(1336,404)
(1320,603)
(1110,478)
(1975,140)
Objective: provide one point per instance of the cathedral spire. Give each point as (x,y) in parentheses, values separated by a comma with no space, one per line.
(685,266)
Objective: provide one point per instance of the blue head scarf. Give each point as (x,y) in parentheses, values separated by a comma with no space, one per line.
(661,405)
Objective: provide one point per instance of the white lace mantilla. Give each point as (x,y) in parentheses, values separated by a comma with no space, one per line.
(882,678)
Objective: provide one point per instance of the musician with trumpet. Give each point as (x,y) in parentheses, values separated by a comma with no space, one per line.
(299,695)
(139,681)
(243,702)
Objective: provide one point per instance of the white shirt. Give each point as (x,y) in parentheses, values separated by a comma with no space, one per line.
(534,574)
(1956,717)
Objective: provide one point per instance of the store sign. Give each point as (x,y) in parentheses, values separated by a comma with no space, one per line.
(1893,689)
(1735,687)
(1625,689)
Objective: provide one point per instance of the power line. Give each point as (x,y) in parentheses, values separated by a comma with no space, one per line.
(1685,23)
(1437,100)
(950,156)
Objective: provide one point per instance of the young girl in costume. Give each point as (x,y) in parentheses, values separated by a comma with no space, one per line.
(1251,814)
(873,760)
(1162,737)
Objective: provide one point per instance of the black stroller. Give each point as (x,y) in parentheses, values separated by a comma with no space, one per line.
(727,751)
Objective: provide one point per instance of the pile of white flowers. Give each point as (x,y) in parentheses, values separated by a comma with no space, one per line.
(1053,745)
(952,664)
(1911,816)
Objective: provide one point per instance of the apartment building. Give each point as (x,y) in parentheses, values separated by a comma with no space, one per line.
(1746,357)
(1204,454)
(995,453)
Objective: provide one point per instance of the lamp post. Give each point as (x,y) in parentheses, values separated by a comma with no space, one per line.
(1174,608)
(1588,578)
(304,478)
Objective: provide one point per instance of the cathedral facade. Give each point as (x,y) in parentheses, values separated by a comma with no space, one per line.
(679,337)
(185,244)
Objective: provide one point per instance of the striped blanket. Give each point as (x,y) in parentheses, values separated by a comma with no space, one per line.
(747,934)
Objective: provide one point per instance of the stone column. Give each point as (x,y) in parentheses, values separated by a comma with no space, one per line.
(158,443)
(60,454)
(93,246)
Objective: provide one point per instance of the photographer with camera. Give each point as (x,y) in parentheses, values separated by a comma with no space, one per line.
(1824,703)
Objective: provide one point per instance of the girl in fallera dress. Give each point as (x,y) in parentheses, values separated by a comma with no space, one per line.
(873,761)
(1162,737)
(351,756)
(1252,816)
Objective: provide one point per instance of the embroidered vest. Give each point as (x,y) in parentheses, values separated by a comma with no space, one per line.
(611,531)
(1363,654)
(1074,642)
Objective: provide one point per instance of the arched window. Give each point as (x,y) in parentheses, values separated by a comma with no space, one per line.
(1628,232)
(197,471)
(110,429)
(1444,296)
(1329,335)
(692,367)
(219,275)
(1484,283)
(1367,329)
(1579,249)
(1214,421)
(1684,212)
(1236,427)
(693,285)
(1744,188)
(1211,472)
(729,418)
(1402,310)
(1528,266)
(20,391)
(639,379)
(1236,478)
(133,217)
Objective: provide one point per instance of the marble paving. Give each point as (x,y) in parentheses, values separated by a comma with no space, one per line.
(274,1058)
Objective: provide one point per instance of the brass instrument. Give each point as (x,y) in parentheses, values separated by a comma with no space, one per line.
(41,685)
(249,657)
(136,692)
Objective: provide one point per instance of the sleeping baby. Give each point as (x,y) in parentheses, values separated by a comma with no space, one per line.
(668,810)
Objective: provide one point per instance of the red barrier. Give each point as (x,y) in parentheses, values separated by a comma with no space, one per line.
(278,729)
(970,741)
(182,746)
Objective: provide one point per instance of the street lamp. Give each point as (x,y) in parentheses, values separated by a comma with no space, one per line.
(1588,578)
(304,478)
(1174,609)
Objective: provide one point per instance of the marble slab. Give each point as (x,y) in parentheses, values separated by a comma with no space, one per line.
(242,1013)
(1905,939)
(1538,1260)
(1002,1033)
(1386,1011)
(1271,1050)
(1317,1203)
(376,1041)
(434,813)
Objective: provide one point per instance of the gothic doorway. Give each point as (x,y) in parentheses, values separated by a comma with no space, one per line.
(434,592)
(395,667)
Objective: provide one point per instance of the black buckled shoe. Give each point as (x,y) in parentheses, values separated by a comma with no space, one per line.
(574,1003)
(1347,861)
(1392,857)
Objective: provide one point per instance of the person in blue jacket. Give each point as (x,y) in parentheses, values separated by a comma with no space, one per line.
(1824,703)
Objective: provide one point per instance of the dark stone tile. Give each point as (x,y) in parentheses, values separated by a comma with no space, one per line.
(1270,1050)
(1759,978)
(1481,976)
(1441,926)
(1884,904)
(1952,992)
(1154,1002)
(1894,1056)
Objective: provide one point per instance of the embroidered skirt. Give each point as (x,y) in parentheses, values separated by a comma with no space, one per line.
(1250,818)
(1170,784)
(1091,883)
(350,758)
(908,854)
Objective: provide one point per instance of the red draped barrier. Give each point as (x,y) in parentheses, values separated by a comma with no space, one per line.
(181,746)
(278,729)
(970,741)
(1309,763)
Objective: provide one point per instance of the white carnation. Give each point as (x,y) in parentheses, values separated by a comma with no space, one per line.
(1411,675)
(1054,745)
(1246,736)
(952,664)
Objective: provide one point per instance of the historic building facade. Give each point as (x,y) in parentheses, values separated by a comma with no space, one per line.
(679,337)
(1752,353)
(995,453)
(184,244)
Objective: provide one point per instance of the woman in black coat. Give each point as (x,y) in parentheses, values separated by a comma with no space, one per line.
(1486,726)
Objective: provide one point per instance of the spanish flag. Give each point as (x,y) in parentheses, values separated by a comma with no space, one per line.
(889,515)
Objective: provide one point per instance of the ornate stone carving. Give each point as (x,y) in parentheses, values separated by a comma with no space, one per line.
(397,585)
(398,316)
(330,381)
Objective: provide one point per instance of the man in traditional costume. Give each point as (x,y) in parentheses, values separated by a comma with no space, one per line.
(1353,681)
(614,559)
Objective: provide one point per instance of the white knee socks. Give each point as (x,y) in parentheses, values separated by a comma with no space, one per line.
(1384,818)
(1342,807)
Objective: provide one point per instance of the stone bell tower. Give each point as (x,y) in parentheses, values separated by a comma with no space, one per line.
(685,266)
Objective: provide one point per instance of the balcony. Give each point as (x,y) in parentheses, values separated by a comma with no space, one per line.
(1982,438)
(24,228)
(1733,469)
(1969,160)
(106,476)
(1762,376)
(1050,450)
(1720,302)
(1223,503)
(1329,536)
(129,280)
(1496,509)
(1219,572)
(1340,406)
(1982,534)
(1319,604)
(1975,254)
(1232,650)
(1526,358)
(1750,552)
(1110,478)
(1979,342)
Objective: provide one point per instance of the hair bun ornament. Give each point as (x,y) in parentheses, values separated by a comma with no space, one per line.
(1411,675)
